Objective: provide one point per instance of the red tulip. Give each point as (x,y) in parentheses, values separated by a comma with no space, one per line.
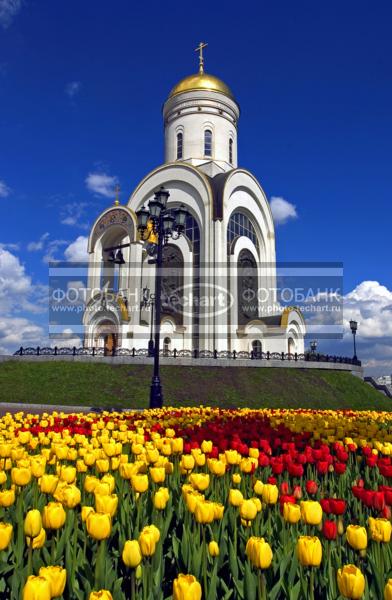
(337,506)
(311,487)
(330,530)
(297,492)
(284,487)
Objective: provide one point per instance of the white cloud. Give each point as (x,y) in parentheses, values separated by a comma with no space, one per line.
(72,88)
(17,292)
(101,184)
(51,250)
(35,246)
(282,210)
(77,251)
(4,189)
(73,214)
(8,11)
(19,331)
(370,304)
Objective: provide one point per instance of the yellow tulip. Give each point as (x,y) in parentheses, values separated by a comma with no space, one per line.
(157,474)
(48,483)
(248,510)
(191,499)
(71,496)
(102,465)
(236,478)
(33,523)
(20,476)
(351,582)
(38,541)
(101,595)
(258,487)
(53,515)
(99,525)
(86,510)
(309,551)
(68,474)
(204,511)
(132,554)
(177,445)
(270,493)
(37,588)
(57,577)
(291,512)
(147,542)
(380,529)
(217,467)
(388,590)
(259,552)
(5,535)
(206,446)
(139,483)
(311,512)
(218,510)
(187,462)
(232,457)
(90,483)
(213,548)
(106,504)
(186,587)
(161,498)
(357,537)
(109,480)
(37,466)
(235,497)
(200,481)
(7,498)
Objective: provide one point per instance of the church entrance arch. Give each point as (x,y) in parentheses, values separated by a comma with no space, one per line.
(106,336)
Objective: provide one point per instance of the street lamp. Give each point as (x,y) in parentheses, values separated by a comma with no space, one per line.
(354,327)
(166,224)
(148,301)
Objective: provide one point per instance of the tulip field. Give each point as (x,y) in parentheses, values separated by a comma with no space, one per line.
(196,503)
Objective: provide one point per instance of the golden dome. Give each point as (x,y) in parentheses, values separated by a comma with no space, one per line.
(201,81)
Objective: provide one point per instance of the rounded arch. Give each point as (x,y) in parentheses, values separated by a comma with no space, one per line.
(120,217)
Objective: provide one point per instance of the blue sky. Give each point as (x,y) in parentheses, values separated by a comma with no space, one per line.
(81,90)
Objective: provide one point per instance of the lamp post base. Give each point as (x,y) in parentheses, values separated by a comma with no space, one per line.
(156,398)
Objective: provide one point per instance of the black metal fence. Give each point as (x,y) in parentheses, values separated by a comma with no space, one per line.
(215,354)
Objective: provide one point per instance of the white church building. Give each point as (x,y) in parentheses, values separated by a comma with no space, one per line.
(223,267)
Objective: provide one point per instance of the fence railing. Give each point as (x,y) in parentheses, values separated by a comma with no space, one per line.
(215,354)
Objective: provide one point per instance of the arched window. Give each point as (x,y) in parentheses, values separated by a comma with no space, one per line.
(240,224)
(256,348)
(179,145)
(230,151)
(208,142)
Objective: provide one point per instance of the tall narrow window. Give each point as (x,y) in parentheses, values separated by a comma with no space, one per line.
(179,145)
(208,142)
(230,151)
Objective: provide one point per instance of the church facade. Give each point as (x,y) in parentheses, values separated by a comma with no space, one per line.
(219,277)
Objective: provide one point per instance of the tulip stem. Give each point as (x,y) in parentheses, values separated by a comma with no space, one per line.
(30,559)
(262,586)
(133,585)
(99,566)
(311,584)
(204,561)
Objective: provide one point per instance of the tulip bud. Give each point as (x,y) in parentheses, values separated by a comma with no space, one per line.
(5,535)
(37,588)
(259,552)
(33,523)
(53,515)
(186,587)
(351,582)
(213,548)
(99,525)
(309,551)
(57,577)
(38,541)
(101,595)
(132,554)
(388,590)
(357,537)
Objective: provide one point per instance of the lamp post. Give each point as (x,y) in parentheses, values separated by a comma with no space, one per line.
(148,301)
(354,327)
(166,224)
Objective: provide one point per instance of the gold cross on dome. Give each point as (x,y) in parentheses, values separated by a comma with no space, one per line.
(117,191)
(201,58)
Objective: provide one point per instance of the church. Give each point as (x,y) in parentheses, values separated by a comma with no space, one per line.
(219,276)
